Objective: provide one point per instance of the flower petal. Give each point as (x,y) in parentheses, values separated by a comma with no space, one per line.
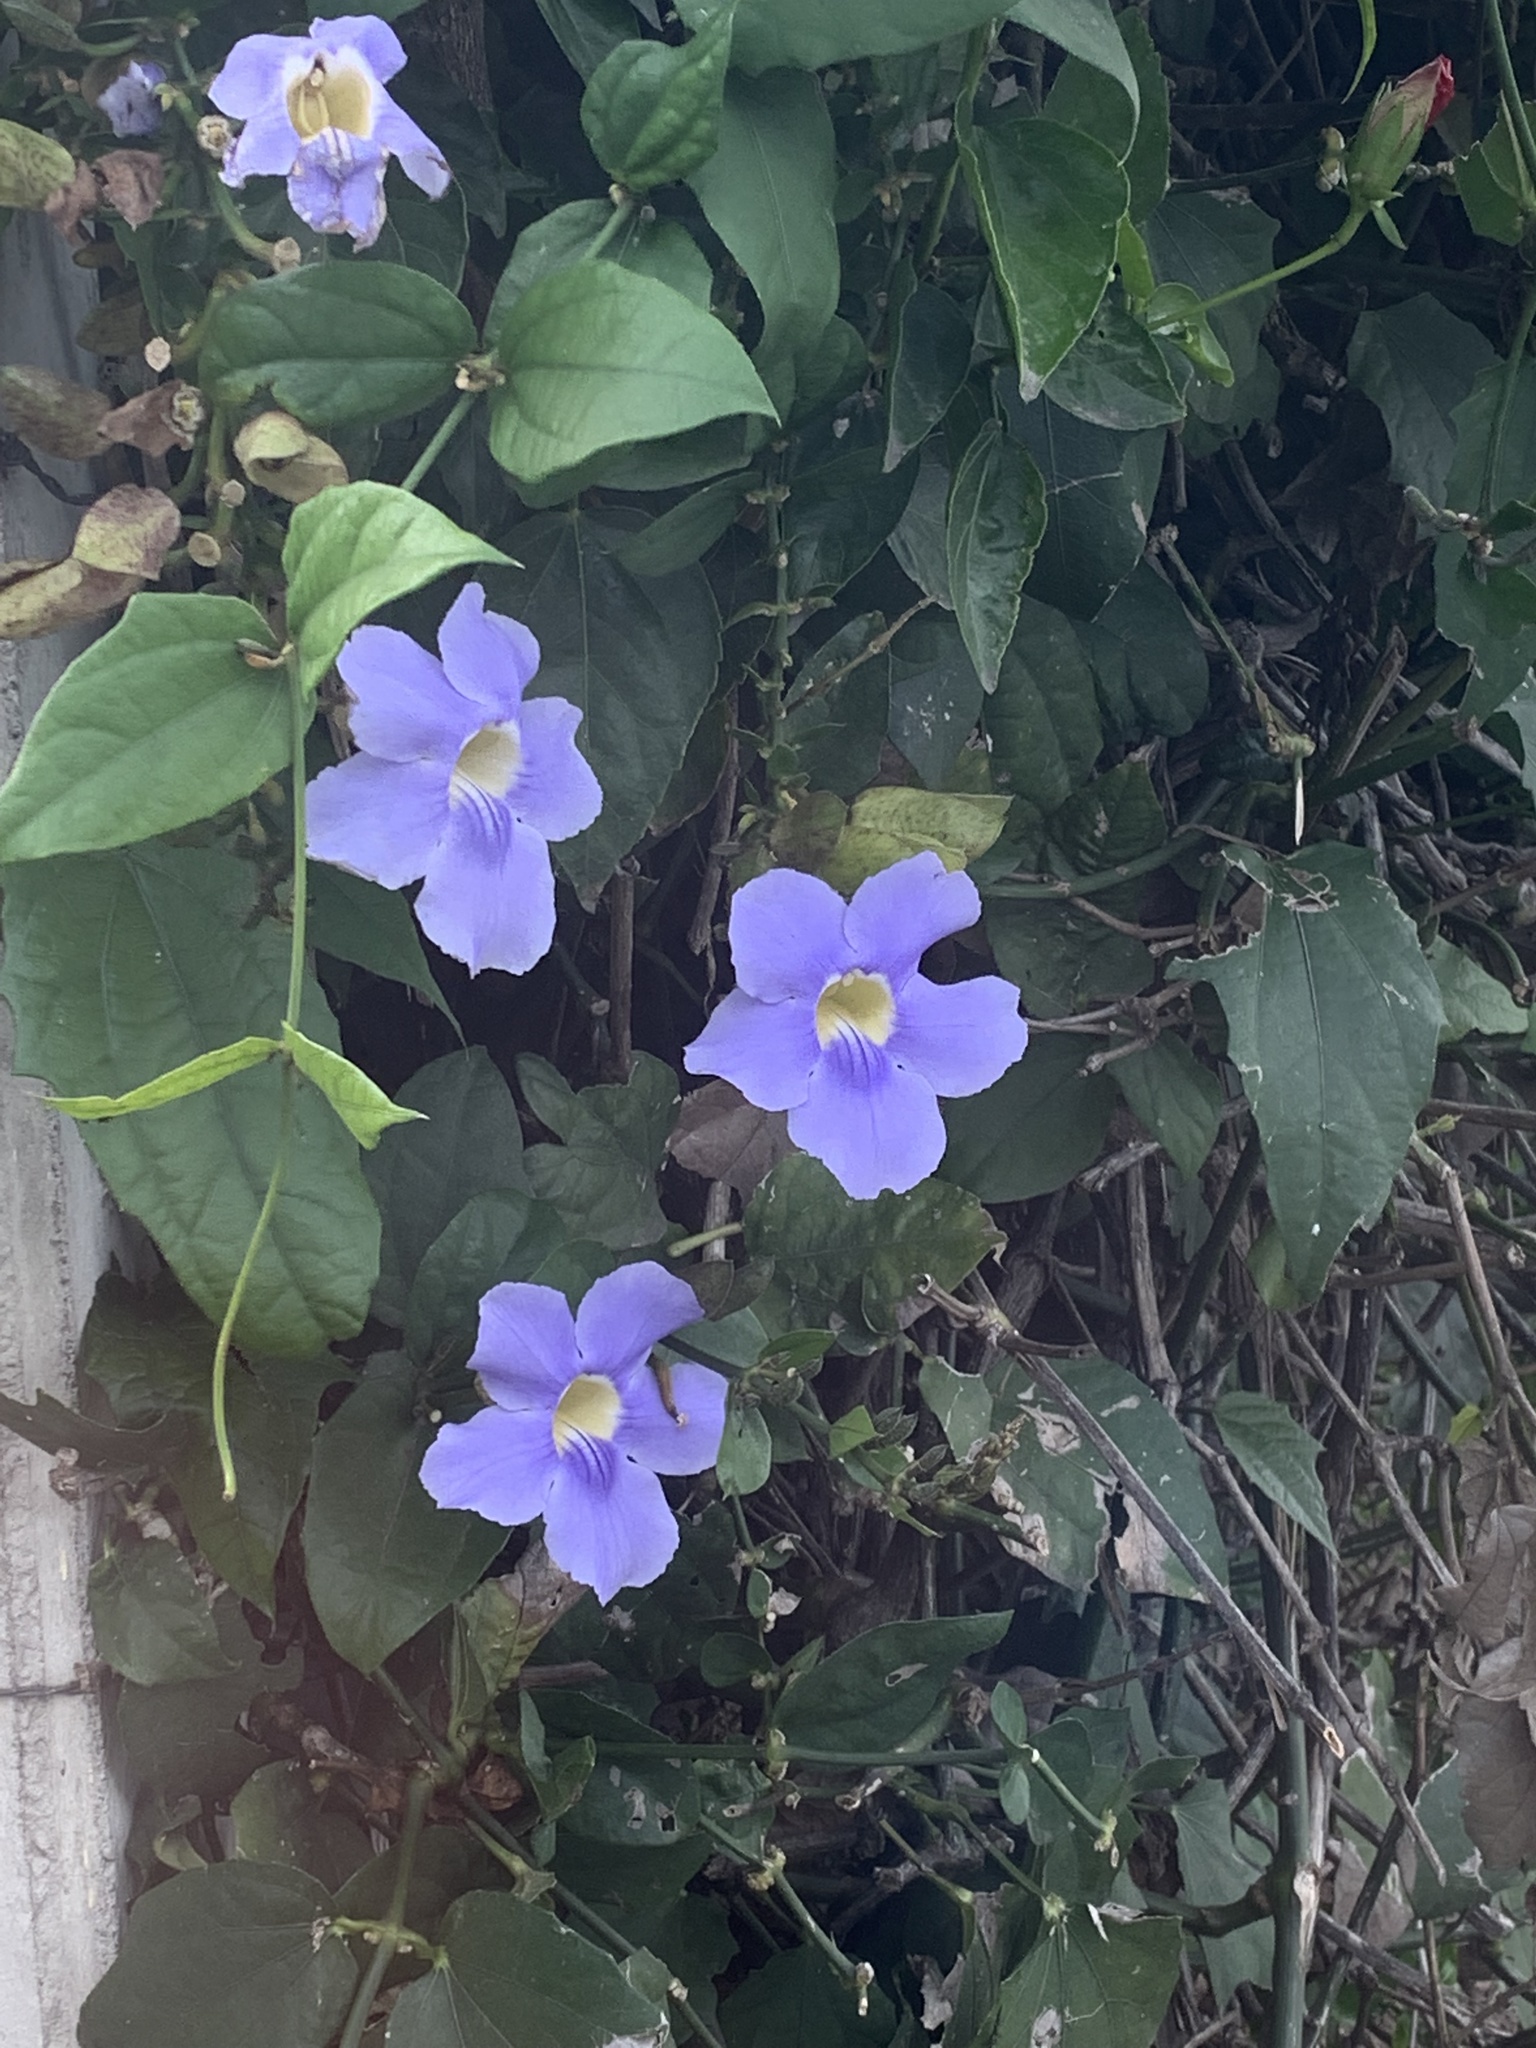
(961,1037)
(337,187)
(257,74)
(608,1524)
(897,915)
(489,896)
(555,791)
(526,1350)
(372,40)
(267,147)
(625,1313)
(769,1050)
(404,708)
(787,936)
(686,1442)
(420,158)
(874,1124)
(488,656)
(382,819)
(500,1465)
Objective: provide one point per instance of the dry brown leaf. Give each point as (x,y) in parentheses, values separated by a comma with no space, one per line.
(156,421)
(129,532)
(1493,1599)
(67,206)
(724,1137)
(51,414)
(132,180)
(42,597)
(1498,1779)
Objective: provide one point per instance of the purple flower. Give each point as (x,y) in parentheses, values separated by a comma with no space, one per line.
(130,102)
(316,113)
(579,1430)
(831,1020)
(457,780)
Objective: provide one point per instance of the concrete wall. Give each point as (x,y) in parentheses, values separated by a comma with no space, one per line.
(61,1817)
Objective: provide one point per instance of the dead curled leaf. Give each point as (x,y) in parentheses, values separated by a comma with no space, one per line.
(164,417)
(1490,1659)
(122,541)
(51,414)
(132,181)
(724,1137)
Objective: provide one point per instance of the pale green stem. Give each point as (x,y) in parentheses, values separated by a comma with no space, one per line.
(439,441)
(1331,247)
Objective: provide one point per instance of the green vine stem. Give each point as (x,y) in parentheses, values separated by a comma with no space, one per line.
(1345,233)
(770,1875)
(299,713)
(456,416)
(1509,89)
(389,1935)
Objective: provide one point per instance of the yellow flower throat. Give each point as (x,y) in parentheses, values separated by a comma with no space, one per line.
(589,1407)
(330,98)
(859,1002)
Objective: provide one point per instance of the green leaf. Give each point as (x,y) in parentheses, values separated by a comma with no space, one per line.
(1494,185)
(809,35)
(1051,1489)
(962,1402)
(996,520)
(356,921)
(658,248)
(160,722)
(515,1974)
(1335,965)
(934,695)
(423,1174)
(499,1236)
(1042,720)
(1147,165)
(1035,1129)
(1175,1098)
(1091,1982)
(1115,375)
(1099,492)
(1416,363)
(1087,30)
(1490,612)
(1278,1455)
(277,1818)
(1208,242)
(599,357)
(1474,1000)
(587,30)
(888,824)
(1063,958)
(652,112)
(150,1618)
(1113,819)
(881,1689)
(837,515)
(50,23)
(226,1954)
(429,235)
(792,2002)
(380,1556)
(861,1259)
(602,1178)
(1150,670)
(745,1460)
(931,361)
(203,1072)
(339,344)
(121,966)
(639,658)
(183,1738)
(32,166)
(680,536)
(1050,201)
(767,192)
(356,548)
(361,1104)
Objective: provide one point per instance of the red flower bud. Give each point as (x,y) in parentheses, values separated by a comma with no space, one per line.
(1390,134)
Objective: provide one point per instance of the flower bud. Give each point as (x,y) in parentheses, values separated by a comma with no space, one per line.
(1389,136)
(215,136)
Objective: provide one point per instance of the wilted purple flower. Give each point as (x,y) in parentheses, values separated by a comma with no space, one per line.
(130,102)
(458,780)
(831,1020)
(579,1430)
(316,113)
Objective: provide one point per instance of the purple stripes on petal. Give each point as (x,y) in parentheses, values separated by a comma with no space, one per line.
(769,1050)
(488,656)
(336,186)
(624,1314)
(404,707)
(611,1530)
(787,938)
(382,819)
(500,1465)
(897,915)
(555,792)
(874,1124)
(960,1038)
(489,895)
